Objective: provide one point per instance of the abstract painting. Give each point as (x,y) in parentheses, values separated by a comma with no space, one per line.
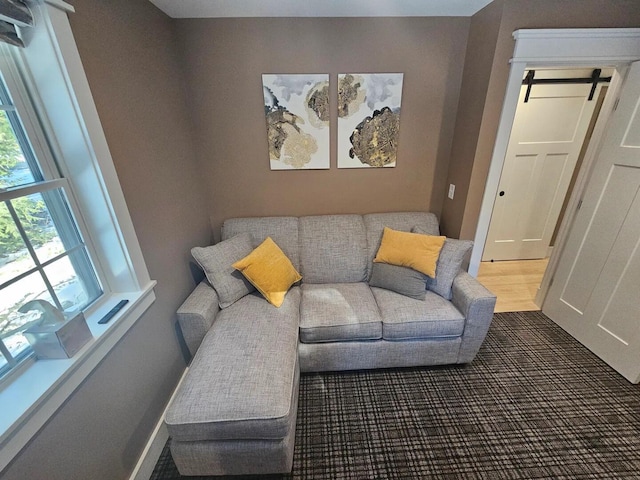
(297,112)
(368,119)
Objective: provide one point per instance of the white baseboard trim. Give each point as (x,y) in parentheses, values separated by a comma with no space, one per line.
(155,445)
(151,453)
(549,250)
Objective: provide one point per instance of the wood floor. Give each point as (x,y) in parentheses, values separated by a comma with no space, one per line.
(514,282)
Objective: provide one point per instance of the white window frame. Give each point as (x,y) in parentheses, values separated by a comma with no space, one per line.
(36,147)
(52,72)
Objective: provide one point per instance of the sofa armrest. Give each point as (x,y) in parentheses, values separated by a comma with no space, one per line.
(196,315)
(476,304)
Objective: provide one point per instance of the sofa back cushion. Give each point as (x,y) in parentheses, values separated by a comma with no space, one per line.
(403,221)
(283,231)
(333,249)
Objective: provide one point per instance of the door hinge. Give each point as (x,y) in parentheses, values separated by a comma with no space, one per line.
(579,204)
(615,105)
(551,281)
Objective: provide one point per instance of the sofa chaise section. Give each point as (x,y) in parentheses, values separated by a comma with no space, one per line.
(235,411)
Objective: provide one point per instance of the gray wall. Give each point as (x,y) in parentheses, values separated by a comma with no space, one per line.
(481,48)
(224,61)
(128,52)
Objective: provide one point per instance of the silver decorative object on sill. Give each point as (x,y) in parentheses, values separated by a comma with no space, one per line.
(55,336)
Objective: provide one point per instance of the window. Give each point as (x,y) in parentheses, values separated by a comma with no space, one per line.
(42,254)
(67,219)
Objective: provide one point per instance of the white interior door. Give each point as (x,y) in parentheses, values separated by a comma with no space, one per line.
(595,293)
(545,142)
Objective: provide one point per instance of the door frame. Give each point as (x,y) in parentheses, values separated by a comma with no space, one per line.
(608,47)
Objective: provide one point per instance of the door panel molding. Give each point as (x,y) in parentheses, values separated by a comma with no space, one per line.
(599,272)
(549,130)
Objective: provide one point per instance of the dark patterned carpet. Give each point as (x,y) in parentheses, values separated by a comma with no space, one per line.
(533,404)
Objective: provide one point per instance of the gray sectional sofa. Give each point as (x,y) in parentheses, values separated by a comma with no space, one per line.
(235,411)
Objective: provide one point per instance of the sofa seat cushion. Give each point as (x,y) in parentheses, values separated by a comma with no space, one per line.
(240,384)
(337,312)
(405,318)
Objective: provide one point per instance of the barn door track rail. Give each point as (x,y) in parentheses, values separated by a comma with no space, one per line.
(594,80)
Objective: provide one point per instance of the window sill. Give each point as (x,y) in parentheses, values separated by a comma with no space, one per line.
(33,397)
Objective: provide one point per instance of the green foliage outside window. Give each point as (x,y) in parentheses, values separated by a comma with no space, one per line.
(9,150)
(31,212)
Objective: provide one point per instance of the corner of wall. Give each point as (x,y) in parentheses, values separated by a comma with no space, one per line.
(481,49)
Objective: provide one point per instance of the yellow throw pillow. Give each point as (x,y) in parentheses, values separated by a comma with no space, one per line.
(269,270)
(412,250)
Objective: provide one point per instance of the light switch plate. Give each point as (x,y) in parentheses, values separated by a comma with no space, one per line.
(452,189)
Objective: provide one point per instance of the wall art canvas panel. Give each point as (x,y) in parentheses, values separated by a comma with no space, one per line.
(368,119)
(297,112)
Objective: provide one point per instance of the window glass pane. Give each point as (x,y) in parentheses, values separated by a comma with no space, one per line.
(14,170)
(63,220)
(14,256)
(12,322)
(71,292)
(37,223)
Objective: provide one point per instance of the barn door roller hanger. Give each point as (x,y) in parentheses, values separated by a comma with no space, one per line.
(594,80)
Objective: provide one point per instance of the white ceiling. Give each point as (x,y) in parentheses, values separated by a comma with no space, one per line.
(322,8)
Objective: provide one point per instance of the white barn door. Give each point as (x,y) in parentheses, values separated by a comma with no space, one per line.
(544,146)
(595,294)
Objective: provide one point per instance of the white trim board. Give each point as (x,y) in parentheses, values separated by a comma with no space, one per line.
(568,46)
(62,5)
(551,47)
(152,451)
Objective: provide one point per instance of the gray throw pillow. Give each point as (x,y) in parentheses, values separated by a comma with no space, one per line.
(217,260)
(449,264)
(403,280)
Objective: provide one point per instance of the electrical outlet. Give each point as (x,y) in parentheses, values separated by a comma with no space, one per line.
(452,189)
